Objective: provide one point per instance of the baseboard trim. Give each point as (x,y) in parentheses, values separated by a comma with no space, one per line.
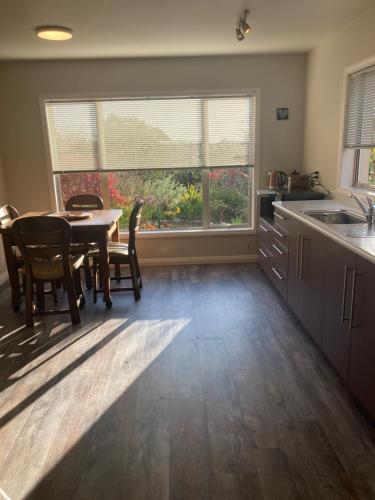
(184,261)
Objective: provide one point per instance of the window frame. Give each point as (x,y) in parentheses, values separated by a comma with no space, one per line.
(356,183)
(209,229)
(348,158)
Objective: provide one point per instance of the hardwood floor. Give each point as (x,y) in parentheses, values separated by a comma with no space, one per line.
(205,389)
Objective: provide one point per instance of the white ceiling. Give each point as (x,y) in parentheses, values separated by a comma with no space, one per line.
(138,28)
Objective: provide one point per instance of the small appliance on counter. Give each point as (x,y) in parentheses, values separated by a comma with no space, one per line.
(293,187)
(297,181)
(277,179)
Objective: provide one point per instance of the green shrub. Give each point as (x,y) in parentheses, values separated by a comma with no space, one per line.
(191,204)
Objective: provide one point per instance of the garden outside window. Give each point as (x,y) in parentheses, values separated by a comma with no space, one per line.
(190,159)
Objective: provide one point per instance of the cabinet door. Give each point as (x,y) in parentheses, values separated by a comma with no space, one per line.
(306,280)
(312,274)
(362,346)
(340,269)
(295,284)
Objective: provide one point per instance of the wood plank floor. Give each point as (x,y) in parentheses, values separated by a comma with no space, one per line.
(208,388)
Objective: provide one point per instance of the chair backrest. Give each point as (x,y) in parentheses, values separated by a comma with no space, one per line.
(84,201)
(7,214)
(134,221)
(42,237)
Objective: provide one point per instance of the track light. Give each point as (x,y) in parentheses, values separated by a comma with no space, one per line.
(242,28)
(240,35)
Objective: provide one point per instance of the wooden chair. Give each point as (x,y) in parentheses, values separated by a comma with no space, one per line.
(82,202)
(7,214)
(44,243)
(123,254)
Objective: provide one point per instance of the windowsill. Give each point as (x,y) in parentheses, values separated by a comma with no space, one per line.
(193,233)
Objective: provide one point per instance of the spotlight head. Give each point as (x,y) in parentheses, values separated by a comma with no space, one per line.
(239,34)
(245,27)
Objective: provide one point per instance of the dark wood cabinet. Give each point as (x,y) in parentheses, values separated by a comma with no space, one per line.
(313,268)
(338,302)
(273,253)
(362,344)
(332,291)
(307,277)
(295,285)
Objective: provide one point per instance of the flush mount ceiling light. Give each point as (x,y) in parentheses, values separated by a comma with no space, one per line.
(242,27)
(54,33)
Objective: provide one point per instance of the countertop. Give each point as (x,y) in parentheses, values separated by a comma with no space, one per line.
(365,247)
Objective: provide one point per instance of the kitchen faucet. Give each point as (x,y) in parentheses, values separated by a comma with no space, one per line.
(367,212)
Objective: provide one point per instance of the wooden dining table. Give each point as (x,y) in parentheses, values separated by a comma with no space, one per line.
(102,226)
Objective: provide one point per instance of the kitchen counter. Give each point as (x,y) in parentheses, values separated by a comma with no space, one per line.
(365,247)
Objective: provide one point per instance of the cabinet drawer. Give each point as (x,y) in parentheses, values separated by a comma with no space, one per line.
(282,244)
(280,235)
(278,278)
(265,235)
(280,258)
(281,220)
(264,258)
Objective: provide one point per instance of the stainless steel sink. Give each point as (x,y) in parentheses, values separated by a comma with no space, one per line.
(343,221)
(336,216)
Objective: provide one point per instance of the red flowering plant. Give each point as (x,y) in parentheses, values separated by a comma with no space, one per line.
(72,184)
(114,192)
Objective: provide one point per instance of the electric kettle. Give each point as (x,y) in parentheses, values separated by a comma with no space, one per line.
(277,179)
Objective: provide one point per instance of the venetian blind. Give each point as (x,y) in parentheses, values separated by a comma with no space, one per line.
(160,133)
(360,110)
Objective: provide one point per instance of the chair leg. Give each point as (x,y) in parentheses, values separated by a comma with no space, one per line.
(54,294)
(78,288)
(138,270)
(40,295)
(29,301)
(72,298)
(133,272)
(95,279)
(118,272)
(88,278)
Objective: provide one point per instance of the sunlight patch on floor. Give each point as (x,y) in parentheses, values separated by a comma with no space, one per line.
(130,361)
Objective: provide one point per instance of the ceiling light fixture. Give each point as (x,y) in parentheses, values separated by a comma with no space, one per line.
(242,27)
(54,33)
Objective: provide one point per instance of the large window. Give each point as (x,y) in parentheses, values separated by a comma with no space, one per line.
(190,159)
(360,126)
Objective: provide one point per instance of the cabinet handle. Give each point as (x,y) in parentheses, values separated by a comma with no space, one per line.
(352,303)
(277,273)
(297,260)
(343,303)
(301,277)
(277,249)
(279,216)
(263,253)
(264,228)
(278,233)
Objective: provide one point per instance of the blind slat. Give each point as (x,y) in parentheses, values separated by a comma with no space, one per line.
(153,133)
(360,110)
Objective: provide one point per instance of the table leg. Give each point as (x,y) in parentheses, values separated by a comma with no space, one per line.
(105,271)
(10,260)
(116,237)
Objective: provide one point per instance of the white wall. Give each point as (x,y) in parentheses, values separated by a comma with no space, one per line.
(324,89)
(281,79)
